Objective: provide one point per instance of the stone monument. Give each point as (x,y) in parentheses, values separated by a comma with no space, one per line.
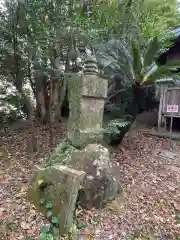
(79,168)
(87,93)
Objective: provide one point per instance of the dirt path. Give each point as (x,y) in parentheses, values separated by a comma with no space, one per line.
(150,202)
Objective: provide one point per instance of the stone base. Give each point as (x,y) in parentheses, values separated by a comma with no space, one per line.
(57,186)
(82,138)
(87,176)
(101,182)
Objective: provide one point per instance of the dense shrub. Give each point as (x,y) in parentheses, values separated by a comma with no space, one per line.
(115,131)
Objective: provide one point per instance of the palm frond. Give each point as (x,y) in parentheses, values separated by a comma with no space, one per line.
(159,73)
(114,57)
(137,63)
(152,49)
(128,5)
(173,63)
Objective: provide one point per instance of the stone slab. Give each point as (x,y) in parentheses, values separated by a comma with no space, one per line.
(86,102)
(167,157)
(167,154)
(102,181)
(60,186)
(94,86)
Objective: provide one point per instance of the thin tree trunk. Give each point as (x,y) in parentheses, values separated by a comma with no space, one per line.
(31,121)
(30,78)
(62,94)
(55,109)
(40,105)
(136,98)
(49,115)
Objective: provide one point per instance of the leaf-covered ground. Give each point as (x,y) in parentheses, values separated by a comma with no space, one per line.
(148,208)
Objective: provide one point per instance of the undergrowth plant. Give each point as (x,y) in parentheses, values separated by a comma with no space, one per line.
(51,231)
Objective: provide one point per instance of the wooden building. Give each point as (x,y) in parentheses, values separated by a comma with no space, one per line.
(173,53)
(167,89)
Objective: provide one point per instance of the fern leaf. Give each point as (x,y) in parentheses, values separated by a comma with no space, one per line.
(151,52)
(173,63)
(160,72)
(137,64)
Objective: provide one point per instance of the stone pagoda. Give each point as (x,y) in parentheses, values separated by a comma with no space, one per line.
(87,93)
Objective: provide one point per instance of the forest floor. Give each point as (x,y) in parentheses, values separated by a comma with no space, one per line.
(148,208)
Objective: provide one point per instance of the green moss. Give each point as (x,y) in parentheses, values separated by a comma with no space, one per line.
(60,155)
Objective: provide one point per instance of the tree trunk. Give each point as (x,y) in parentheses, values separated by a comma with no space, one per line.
(63,88)
(40,105)
(50,114)
(116,95)
(136,98)
(55,104)
(33,145)
(42,99)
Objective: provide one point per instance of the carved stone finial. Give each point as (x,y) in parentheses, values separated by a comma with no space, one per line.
(91,66)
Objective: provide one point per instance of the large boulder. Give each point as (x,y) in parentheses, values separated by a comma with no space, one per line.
(101,182)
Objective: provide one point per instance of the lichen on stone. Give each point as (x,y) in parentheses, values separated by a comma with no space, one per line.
(61,154)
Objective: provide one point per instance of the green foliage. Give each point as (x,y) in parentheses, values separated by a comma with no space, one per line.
(132,64)
(81,225)
(115,126)
(64,148)
(116,110)
(115,131)
(152,50)
(55,220)
(49,205)
(144,67)
(46,234)
(157,17)
(49,232)
(115,57)
(42,201)
(12,105)
(137,63)
(49,214)
(178,218)
(39,38)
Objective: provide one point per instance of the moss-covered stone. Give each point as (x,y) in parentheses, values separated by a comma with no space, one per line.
(101,182)
(77,169)
(54,190)
(60,155)
(86,102)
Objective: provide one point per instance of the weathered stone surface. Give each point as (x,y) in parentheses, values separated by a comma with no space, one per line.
(167,157)
(58,185)
(94,86)
(86,102)
(101,182)
(167,154)
(91,66)
(70,173)
(61,154)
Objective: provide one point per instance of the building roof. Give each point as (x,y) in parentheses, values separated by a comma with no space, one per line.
(174,49)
